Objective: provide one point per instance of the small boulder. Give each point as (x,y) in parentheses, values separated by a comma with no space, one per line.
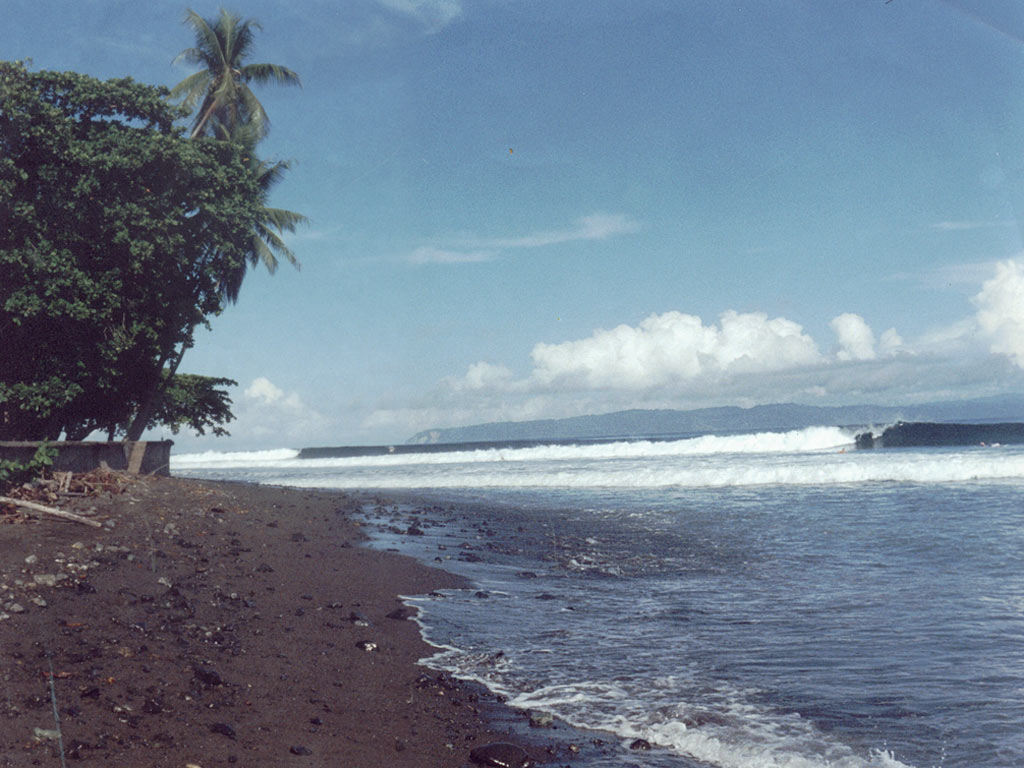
(501,755)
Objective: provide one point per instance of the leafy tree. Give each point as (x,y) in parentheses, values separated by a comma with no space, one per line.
(117,235)
(266,243)
(194,402)
(221,89)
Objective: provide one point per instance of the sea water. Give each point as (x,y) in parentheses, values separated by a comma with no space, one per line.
(776,599)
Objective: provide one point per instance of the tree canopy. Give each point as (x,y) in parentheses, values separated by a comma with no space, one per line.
(118,236)
(220,89)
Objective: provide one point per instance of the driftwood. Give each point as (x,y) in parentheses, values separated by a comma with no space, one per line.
(49,511)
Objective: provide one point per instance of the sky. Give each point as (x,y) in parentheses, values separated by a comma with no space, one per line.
(527,209)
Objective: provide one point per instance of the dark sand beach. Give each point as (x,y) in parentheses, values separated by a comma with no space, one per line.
(212,624)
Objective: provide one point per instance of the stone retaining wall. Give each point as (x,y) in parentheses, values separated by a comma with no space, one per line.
(144,457)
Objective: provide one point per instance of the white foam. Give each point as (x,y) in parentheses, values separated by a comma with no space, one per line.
(743,736)
(218,459)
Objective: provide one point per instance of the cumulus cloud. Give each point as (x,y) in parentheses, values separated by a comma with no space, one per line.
(484,376)
(266,411)
(856,340)
(674,347)
(1000,313)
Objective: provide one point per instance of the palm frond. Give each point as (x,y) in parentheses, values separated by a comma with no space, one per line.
(265,73)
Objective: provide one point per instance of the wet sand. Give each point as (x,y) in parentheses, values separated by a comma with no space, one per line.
(213,624)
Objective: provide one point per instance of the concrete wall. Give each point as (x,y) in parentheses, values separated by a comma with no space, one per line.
(147,458)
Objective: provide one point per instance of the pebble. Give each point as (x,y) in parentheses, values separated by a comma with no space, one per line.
(31,560)
(298,749)
(542,720)
(224,729)
(500,755)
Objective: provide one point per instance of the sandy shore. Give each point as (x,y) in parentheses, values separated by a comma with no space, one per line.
(213,624)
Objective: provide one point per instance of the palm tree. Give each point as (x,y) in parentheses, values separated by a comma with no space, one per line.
(221,89)
(266,243)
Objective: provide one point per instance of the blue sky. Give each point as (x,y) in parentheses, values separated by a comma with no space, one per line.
(542,208)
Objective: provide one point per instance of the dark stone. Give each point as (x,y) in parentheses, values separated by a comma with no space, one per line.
(224,730)
(403,613)
(264,568)
(640,745)
(207,675)
(414,530)
(500,755)
(298,749)
(152,707)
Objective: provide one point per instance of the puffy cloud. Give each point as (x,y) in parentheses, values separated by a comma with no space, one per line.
(675,347)
(264,390)
(267,411)
(856,340)
(484,376)
(1001,311)
(890,343)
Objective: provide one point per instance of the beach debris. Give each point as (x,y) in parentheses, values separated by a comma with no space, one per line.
(501,755)
(366,645)
(52,511)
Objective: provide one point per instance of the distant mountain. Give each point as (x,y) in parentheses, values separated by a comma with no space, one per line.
(660,423)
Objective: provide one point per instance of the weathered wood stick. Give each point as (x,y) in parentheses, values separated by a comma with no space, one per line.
(50,511)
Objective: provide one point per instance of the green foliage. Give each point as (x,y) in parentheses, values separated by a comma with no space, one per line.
(117,237)
(219,92)
(14,473)
(194,402)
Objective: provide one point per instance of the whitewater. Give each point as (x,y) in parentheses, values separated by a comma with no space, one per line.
(740,600)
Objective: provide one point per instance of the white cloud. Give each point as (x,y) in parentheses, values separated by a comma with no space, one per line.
(483,376)
(597,226)
(890,342)
(1000,313)
(856,340)
(427,255)
(264,390)
(266,412)
(674,347)
(433,14)
(964,225)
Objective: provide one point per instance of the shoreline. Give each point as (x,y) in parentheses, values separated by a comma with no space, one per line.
(216,623)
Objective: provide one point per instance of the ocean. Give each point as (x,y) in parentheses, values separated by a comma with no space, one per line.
(742,601)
